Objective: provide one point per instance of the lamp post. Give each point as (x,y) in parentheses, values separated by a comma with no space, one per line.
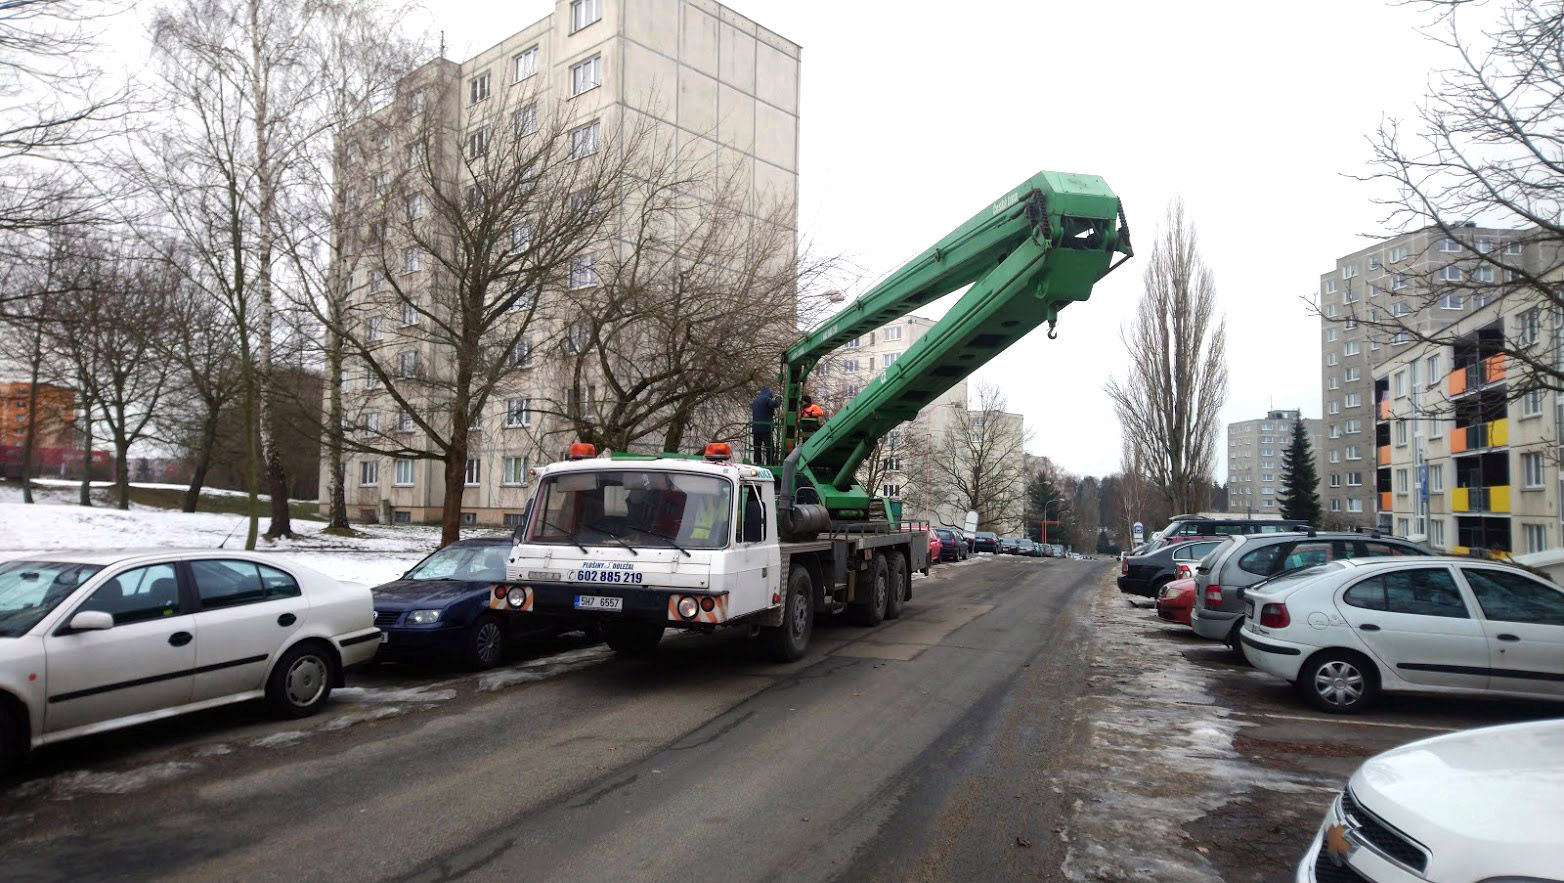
(1045,522)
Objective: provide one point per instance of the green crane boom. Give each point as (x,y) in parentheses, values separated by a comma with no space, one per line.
(1026,256)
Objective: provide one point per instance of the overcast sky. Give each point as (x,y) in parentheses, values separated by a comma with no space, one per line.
(916,115)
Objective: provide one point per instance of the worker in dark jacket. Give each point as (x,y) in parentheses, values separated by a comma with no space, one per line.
(762,413)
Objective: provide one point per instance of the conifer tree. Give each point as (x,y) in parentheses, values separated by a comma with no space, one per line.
(1300,495)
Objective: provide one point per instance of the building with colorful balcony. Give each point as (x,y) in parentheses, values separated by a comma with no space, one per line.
(1468,446)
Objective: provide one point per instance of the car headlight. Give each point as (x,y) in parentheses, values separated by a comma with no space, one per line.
(423,617)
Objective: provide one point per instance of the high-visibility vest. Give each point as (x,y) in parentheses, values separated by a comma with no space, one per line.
(706,512)
(814,411)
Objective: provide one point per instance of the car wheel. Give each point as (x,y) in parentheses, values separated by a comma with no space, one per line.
(1235,644)
(1338,682)
(788,641)
(871,612)
(12,740)
(632,638)
(485,645)
(300,682)
(896,597)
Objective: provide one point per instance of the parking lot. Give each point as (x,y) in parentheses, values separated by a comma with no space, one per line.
(1201,768)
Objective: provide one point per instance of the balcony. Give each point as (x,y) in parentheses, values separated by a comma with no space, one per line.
(1493,434)
(1384,455)
(1384,409)
(1470,377)
(1384,501)
(1481,499)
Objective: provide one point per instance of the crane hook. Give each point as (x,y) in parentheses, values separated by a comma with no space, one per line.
(1052,333)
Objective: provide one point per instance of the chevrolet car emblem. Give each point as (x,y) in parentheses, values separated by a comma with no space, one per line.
(1336,844)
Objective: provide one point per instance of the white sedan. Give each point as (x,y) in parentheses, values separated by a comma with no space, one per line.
(1482,805)
(95,641)
(1345,631)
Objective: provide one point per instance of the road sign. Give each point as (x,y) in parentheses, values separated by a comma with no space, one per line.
(1140,533)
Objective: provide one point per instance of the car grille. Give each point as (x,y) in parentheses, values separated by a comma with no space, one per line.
(384,618)
(1327,871)
(1386,840)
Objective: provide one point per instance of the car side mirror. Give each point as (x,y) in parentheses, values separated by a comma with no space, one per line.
(92,621)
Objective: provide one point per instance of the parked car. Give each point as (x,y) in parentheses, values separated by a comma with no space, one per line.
(1208,526)
(935,547)
(1250,558)
(97,641)
(1145,575)
(1346,631)
(985,541)
(1026,547)
(1481,804)
(952,546)
(1175,600)
(1008,545)
(438,612)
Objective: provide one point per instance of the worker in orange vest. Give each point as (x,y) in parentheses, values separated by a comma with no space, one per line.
(812,411)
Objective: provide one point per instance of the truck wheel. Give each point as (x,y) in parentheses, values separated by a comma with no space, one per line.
(632,638)
(788,641)
(896,598)
(872,611)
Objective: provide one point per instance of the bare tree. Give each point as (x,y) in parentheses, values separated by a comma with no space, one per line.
(977,462)
(1177,379)
(202,348)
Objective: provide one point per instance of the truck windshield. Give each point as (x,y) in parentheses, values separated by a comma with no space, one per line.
(654,507)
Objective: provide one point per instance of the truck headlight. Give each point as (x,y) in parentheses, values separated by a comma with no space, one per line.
(688,607)
(516,597)
(423,617)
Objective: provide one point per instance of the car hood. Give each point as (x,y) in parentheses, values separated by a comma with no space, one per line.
(428,592)
(1180,586)
(1484,802)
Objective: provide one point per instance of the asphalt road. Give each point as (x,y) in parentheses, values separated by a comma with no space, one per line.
(922,749)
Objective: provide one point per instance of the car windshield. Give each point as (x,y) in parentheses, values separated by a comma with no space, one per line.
(479,563)
(633,506)
(30,589)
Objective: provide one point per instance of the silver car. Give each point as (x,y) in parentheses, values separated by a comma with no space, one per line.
(1247,559)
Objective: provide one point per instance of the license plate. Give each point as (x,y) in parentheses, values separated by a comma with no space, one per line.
(1249,609)
(385,637)
(598,602)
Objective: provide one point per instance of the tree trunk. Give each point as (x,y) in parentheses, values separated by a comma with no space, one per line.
(29,440)
(260,82)
(203,461)
(85,498)
(121,472)
(338,516)
(455,481)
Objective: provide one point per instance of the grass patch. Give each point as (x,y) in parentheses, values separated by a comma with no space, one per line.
(225,504)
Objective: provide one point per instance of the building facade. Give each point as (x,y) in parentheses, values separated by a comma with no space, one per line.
(52,415)
(1254,459)
(695,78)
(1399,279)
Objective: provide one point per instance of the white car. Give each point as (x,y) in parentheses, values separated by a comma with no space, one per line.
(1343,632)
(1481,805)
(95,641)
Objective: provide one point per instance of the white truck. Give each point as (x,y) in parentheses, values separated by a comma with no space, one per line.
(637,545)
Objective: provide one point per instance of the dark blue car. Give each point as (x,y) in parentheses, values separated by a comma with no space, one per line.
(438,612)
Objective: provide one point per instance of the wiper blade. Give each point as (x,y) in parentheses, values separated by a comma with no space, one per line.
(665,538)
(613,536)
(567,534)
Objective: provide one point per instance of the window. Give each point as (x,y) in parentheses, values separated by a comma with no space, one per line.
(415,155)
(524,64)
(513,519)
(1401,482)
(1399,308)
(1398,282)
(1354,452)
(525,120)
(1401,433)
(372,420)
(138,595)
(1483,273)
(1353,374)
(478,88)
(1373,262)
(1354,479)
(472,197)
(1349,271)
(1332,359)
(1532,469)
(1354,399)
(520,237)
(1350,296)
(1331,311)
(412,259)
(888,359)
(1420,591)
(584,12)
(1330,335)
(1335,479)
(1354,426)
(478,142)
(1510,597)
(1450,273)
(1398,253)
(1436,532)
(1351,323)
(404,421)
(890,490)
(583,272)
(1481,300)
(893,333)
(1536,537)
(1335,504)
(1335,430)
(1400,337)
(1530,327)
(518,412)
(1449,245)
(231,583)
(368,473)
(1333,383)
(1330,286)
(586,75)
(514,471)
(409,312)
(415,206)
(401,516)
(403,475)
(470,475)
(1433,373)
(521,354)
(1450,302)
(1353,348)
(584,140)
(407,364)
(372,327)
(1354,505)
(1436,477)
(1335,407)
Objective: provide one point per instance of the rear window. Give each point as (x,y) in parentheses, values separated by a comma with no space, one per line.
(1293,576)
(1261,561)
(1424,591)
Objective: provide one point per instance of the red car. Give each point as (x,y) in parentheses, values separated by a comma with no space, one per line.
(1176,599)
(934,547)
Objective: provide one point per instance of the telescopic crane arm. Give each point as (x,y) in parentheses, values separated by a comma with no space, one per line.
(1026,256)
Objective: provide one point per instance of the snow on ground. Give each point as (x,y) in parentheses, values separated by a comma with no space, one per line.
(55,524)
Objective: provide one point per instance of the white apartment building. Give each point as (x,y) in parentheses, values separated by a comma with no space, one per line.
(1254,459)
(710,83)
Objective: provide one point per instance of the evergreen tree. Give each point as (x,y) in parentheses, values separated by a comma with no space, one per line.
(1300,495)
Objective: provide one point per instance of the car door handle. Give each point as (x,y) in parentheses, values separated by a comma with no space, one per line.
(180,639)
(1368,627)
(1508,637)
(287,619)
